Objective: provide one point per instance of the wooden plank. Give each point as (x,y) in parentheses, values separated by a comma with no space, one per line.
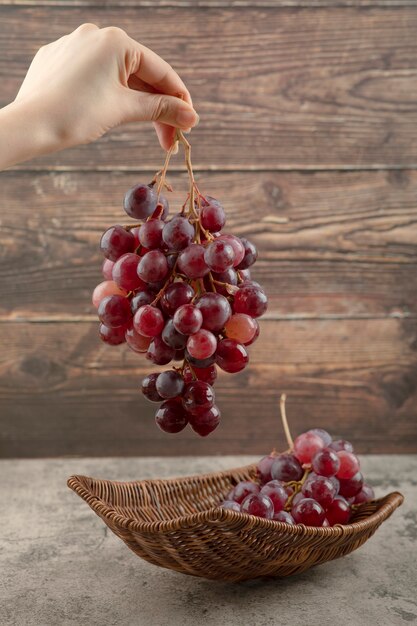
(275,87)
(63,392)
(207,4)
(331,243)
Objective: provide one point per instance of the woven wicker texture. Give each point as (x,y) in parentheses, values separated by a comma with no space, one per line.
(177,524)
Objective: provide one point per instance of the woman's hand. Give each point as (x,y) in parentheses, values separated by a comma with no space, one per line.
(82,85)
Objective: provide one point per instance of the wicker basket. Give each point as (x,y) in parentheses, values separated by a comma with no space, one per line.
(177,524)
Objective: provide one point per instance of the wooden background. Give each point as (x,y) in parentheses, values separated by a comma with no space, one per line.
(308,135)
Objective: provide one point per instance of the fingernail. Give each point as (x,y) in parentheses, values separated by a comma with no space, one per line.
(185,119)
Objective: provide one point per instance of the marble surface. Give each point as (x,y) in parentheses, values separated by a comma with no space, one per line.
(60,565)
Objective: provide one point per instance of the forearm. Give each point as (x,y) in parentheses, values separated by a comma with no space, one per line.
(24,133)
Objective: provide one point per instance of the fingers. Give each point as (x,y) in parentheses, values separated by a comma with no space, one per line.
(165,134)
(152,69)
(140,106)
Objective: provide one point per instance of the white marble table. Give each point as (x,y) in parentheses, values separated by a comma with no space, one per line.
(60,565)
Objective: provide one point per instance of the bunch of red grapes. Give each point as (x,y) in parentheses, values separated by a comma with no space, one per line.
(317,483)
(179,290)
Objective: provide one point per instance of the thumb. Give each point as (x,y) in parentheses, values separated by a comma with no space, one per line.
(140,106)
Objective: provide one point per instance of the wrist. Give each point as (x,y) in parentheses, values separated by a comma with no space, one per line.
(24,132)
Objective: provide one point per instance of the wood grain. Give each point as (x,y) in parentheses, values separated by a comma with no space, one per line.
(276,88)
(63,392)
(204,4)
(331,243)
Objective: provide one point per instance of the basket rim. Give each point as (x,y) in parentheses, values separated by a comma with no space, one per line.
(218,515)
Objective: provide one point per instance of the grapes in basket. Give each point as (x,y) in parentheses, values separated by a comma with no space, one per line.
(317,482)
(179,290)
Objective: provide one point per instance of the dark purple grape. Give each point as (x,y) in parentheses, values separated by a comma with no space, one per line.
(114,311)
(112,336)
(198,396)
(251,254)
(140,201)
(172,337)
(191,261)
(149,388)
(159,353)
(145,296)
(178,233)
(200,363)
(116,241)
(215,309)
(150,234)
(212,215)
(171,416)
(176,295)
(169,384)
(205,421)
(286,468)
(153,266)
(250,300)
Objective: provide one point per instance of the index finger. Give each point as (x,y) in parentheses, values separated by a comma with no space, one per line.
(159,74)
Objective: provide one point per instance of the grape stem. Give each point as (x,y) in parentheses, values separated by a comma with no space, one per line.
(285,421)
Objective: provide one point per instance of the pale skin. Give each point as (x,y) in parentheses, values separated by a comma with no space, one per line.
(85,83)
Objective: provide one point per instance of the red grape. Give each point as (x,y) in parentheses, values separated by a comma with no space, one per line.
(107,269)
(175,295)
(200,363)
(341,444)
(251,300)
(188,319)
(215,309)
(338,511)
(259,505)
(204,422)
(114,311)
(237,245)
(263,469)
(212,216)
(116,241)
(148,321)
(106,288)
(135,341)
(231,505)
(140,201)
(231,356)
(125,272)
(202,344)
(191,261)
(159,353)
(171,416)
(323,434)
(326,462)
(242,490)
(206,374)
(349,487)
(198,396)
(219,256)
(365,494)
(284,516)
(286,467)
(169,384)
(149,388)
(150,234)
(308,512)
(241,327)
(276,493)
(153,266)
(112,336)
(349,464)
(229,277)
(319,488)
(250,256)
(178,233)
(306,446)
